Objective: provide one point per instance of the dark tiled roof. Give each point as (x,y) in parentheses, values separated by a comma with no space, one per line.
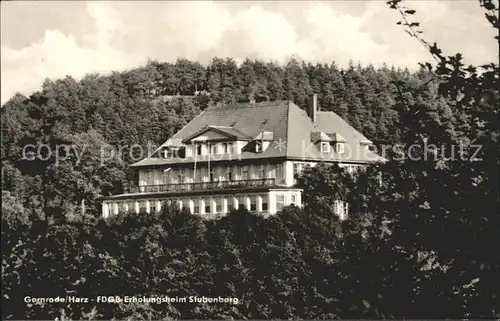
(291,128)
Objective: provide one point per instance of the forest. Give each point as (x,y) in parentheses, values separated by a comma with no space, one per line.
(422,236)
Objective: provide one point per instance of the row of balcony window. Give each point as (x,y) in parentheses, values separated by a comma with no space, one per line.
(230,148)
(214,205)
(200,149)
(203,185)
(229,173)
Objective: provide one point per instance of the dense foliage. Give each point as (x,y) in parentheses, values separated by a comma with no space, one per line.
(422,237)
(147,105)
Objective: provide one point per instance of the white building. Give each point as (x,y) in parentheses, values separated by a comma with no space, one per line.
(243,155)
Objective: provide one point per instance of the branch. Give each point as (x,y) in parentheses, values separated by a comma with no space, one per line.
(412,28)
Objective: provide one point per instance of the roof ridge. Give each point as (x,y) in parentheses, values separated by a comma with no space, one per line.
(240,105)
(220,126)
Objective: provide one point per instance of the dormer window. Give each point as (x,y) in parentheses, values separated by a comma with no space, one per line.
(325,147)
(171,152)
(339,148)
(258,146)
(262,141)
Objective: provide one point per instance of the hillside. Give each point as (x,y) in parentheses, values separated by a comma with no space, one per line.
(421,240)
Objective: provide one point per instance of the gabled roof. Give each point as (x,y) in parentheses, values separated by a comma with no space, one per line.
(291,130)
(320,136)
(336,137)
(223,131)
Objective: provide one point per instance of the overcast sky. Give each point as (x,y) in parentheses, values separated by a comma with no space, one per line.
(53,39)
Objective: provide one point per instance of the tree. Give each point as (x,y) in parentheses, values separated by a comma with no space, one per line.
(440,201)
(48,135)
(91,171)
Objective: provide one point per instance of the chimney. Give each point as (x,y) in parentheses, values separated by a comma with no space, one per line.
(312,109)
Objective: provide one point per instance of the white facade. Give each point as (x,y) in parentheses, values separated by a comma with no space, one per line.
(229,157)
(210,206)
(180,175)
(219,203)
(216,203)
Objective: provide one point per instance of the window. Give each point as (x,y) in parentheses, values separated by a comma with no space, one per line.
(241,203)
(203,174)
(264,203)
(231,148)
(180,175)
(279,171)
(229,173)
(297,171)
(142,206)
(212,174)
(175,176)
(294,199)
(179,203)
(213,149)
(218,205)
(226,148)
(131,206)
(258,146)
(114,207)
(207,206)
(346,210)
(272,171)
(280,202)
(336,207)
(253,203)
(339,148)
(262,171)
(196,207)
(166,176)
(149,177)
(252,171)
(152,206)
(244,172)
(198,149)
(341,208)
(230,203)
(325,147)
(173,152)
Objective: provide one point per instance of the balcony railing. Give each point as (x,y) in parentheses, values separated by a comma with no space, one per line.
(182,187)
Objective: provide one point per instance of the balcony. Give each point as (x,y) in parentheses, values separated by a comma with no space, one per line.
(183,187)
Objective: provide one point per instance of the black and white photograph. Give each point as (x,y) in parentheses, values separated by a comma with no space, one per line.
(250,160)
